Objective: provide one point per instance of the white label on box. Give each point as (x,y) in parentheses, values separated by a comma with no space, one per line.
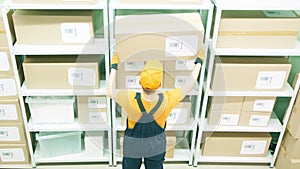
(134,66)
(183,80)
(259,120)
(9,134)
(185,65)
(75,32)
(4,64)
(263,105)
(132,82)
(97,117)
(253,147)
(229,119)
(181,46)
(96,102)
(279,14)
(270,79)
(12,155)
(177,116)
(8,112)
(81,77)
(8,87)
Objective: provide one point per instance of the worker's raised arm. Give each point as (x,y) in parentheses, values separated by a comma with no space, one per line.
(111,89)
(187,87)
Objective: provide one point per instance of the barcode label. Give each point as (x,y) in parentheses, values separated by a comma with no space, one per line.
(77,76)
(75,32)
(259,120)
(2,112)
(8,155)
(134,66)
(185,65)
(12,155)
(132,82)
(81,76)
(263,105)
(229,119)
(3,133)
(4,64)
(70,32)
(9,134)
(96,102)
(181,46)
(253,147)
(172,116)
(1,87)
(182,80)
(178,116)
(8,87)
(270,80)
(8,112)
(97,117)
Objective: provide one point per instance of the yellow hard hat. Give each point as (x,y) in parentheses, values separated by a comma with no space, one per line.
(151,75)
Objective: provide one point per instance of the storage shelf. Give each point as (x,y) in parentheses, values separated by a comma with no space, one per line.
(182,127)
(257,4)
(181,152)
(171,4)
(99,47)
(76,157)
(259,52)
(63,92)
(222,159)
(288,92)
(101,4)
(76,126)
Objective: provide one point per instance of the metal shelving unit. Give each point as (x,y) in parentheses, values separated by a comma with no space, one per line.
(180,155)
(99,47)
(275,125)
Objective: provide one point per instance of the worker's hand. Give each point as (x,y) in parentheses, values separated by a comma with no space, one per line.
(115,61)
(200,57)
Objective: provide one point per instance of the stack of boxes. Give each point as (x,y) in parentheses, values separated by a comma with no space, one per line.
(13,142)
(289,154)
(174,39)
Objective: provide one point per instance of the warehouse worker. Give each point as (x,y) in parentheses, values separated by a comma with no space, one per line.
(147,112)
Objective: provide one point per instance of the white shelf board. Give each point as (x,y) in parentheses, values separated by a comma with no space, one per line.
(258,4)
(76,157)
(101,4)
(14,166)
(63,92)
(259,52)
(222,159)
(100,46)
(170,4)
(288,92)
(76,126)
(178,127)
(273,126)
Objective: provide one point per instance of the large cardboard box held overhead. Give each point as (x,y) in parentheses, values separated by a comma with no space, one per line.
(158,36)
(283,161)
(250,74)
(291,145)
(54,27)
(258,29)
(62,72)
(236,144)
(83,2)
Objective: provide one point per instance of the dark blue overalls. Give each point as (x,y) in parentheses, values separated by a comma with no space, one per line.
(146,140)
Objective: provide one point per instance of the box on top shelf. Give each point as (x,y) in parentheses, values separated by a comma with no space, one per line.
(7,86)
(62,72)
(158,36)
(83,2)
(12,133)
(14,154)
(283,161)
(250,74)
(92,109)
(51,109)
(258,29)
(54,27)
(291,145)
(3,37)
(236,144)
(10,111)
(293,125)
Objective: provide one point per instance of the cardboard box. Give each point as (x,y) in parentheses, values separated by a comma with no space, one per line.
(128,80)
(10,111)
(62,72)
(250,74)
(258,29)
(285,162)
(83,2)
(14,154)
(164,36)
(176,79)
(94,143)
(7,86)
(5,61)
(255,118)
(291,146)
(92,109)
(223,117)
(179,65)
(180,114)
(57,27)
(293,124)
(236,144)
(226,103)
(12,133)
(260,104)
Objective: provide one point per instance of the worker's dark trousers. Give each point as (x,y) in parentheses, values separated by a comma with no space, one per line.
(154,162)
